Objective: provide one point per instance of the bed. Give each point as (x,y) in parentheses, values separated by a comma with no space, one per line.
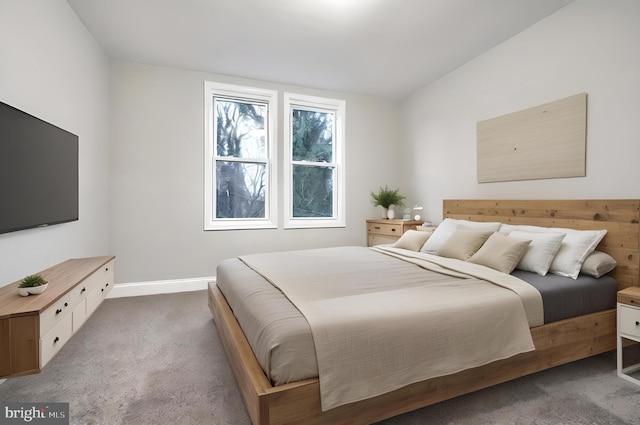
(557,342)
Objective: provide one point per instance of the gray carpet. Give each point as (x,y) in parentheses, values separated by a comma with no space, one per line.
(158,360)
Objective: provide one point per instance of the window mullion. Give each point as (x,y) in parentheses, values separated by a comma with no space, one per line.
(235,159)
(315,164)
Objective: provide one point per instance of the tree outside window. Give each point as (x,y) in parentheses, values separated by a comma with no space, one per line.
(241,156)
(240,183)
(314,180)
(313,164)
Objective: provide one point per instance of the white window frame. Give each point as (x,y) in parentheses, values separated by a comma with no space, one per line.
(338,107)
(249,94)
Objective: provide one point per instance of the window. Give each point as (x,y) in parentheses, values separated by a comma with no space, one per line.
(314,154)
(240,178)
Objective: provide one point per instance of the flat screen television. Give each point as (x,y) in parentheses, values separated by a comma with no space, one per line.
(38,172)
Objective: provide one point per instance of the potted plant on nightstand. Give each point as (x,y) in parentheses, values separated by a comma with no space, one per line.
(386,198)
(34,284)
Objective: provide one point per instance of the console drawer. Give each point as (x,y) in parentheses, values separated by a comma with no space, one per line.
(55,339)
(95,297)
(58,311)
(79,315)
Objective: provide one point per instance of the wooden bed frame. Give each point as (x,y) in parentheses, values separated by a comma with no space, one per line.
(556,343)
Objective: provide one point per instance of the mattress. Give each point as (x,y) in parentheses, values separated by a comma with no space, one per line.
(564,297)
(281,339)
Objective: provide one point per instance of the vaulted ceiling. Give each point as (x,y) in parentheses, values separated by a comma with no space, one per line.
(386,48)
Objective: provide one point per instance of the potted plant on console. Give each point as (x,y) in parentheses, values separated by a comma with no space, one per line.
(32,285)
(387,198)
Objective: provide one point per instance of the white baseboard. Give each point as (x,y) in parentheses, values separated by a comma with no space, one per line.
(136,289)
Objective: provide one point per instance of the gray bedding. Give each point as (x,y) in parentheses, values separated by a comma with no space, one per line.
(564,297)
(281,338)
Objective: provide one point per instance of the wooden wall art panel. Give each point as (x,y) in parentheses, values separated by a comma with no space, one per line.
(543,142)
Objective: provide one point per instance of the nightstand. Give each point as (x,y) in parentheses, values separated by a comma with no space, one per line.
(388,231)
(628,338)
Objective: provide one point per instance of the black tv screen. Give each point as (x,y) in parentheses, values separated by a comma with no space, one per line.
(38,172)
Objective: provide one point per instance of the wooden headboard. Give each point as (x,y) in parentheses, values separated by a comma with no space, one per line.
(620,217)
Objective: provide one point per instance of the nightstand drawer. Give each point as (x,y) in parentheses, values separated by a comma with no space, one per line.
(429,229)
(629,321)
(384,229)
(373,240)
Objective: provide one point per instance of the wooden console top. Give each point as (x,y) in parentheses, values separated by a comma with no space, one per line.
(61,277)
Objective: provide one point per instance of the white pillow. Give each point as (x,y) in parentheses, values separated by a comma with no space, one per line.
(508,228)
(575,248)
(505,229)
(446,229)
(540,253)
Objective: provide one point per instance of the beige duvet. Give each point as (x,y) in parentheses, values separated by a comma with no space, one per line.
(378,327)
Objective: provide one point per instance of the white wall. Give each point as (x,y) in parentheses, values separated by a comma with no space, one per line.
(156,189)
(52,68)
(589,46)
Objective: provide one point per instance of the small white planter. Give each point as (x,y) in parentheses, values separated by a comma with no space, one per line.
(32,290)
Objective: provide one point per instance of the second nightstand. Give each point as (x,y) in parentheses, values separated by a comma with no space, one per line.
(628,335)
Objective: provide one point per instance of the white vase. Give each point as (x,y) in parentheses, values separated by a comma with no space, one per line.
(384,213)
(391,214)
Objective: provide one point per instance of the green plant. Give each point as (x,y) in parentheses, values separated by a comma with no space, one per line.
(33,280)
(386,197)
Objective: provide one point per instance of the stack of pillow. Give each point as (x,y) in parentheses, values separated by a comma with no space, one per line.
(504,247)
